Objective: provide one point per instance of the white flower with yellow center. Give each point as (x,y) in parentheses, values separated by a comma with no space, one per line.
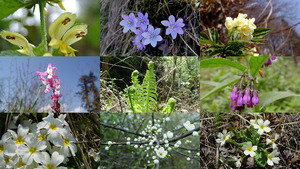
(18,40)
(189,126)
(268,141)
(94,154)
(62,35)
(223,137)
(31,150)
(262,126)
(249,149)
(53,162)
(273,158)
(67,144)
(20,136)
(161,153)
(230,23)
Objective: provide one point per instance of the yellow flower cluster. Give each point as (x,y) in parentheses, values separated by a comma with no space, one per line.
(244,26)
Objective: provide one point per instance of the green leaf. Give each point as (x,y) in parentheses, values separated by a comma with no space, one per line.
(40,50)
(270,97)
(261,158)
(222,85)
(11,53)
(234,48)
(204,39)
(261,32)
(220,62)
(213,35)
(256,63)
(9,7)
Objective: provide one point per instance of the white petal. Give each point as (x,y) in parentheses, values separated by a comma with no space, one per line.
(56,158)
(75,34)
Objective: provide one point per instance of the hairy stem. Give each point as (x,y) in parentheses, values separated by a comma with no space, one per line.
(43,26)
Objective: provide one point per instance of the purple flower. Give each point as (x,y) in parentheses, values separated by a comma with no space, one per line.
(152,36)
(274,58)
(234,94)
(138,43)
(174,27)
(129,22)
(142,20)
(255,100)
(240,99)
(268,62)
(247,97)
(139,35)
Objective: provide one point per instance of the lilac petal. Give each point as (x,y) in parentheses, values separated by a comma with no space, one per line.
(158,38)
(126,29)
(153,43)
(144,27)
(146,15)
(123,23)
(179,25)
(131,16)
(157,31)
(168,31)
(133,29)
(146,42)
(125,17)
(140,14)
(165,23)
(179,31)
(174,34)
(172,19)
(150,29)
(146,35)
(179,21)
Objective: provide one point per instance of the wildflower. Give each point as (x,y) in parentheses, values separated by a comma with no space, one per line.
(156,161)
(142,20)
(161,152)
(67,144)
(237,161)
(152,36)
(249,149)
(247,97)
(189,126)
(177,144)
(223,137)
(269,61)
(240,99)
(268,141)
(188,158)
(234,94)
(195,133)
(272,158)
(62,35)
(262,126)
(174,27)
(106,148)
(20,136)
(229,23)
(53,162)
(167,118)
(94,155)
(129,22)
(18,40)
(139,44)
(169,134)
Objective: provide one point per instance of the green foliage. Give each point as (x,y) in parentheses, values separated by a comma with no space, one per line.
(213,35)
(220,62)
(11,53)
(170,106)
(261,158)
(270,97)
(256,63)
(9,7)
(261,32)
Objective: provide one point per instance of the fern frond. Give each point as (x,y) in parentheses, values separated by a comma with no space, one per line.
(170,106)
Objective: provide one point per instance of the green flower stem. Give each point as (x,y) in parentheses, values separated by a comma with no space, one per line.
(43,26)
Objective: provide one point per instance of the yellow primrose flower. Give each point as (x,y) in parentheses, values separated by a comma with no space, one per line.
(62,35)
(19,40)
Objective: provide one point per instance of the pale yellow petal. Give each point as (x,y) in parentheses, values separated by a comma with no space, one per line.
(75,34)
(16,39)
(59,27)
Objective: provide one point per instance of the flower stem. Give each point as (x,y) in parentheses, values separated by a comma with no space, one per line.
(43,26)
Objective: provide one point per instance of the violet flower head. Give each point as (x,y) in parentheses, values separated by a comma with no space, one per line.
(142,20)
(174,26)
(152,36)
(255,100)
(247,97)
(129,22)
(240,99)
(139,43)
(268,63)
(139,35)
(234,95)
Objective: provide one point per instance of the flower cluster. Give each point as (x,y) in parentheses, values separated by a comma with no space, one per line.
(260,126)
(243,93)
(30,145)
(51,81)
(152,135)
(269,61)
(245,27)
(62,33)
(147,34)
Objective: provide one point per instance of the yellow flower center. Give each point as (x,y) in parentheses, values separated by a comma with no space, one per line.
(270,156)
(160,153)
(32,150)
(152,36)
(129,22)
(224,138)
(52,127)
(19,140)
(6,159)
(66,142)
(262,126)
(173,26)
(95,155)
(1,148)
(50,166)
(21,163)
(142,20)
(42,136)
(249,149)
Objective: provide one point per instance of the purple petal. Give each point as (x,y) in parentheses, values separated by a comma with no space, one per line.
(179,25)
(140,14)
(174,34)
(146,35)
(165,23)
(179,30)
(172,19)
(146,15)
(168,31)
(153,43)
(144,27)
(158,38)
(146,41)
(131,16)
(125,17)
(157,31)
(125,29)
(179,21)
(150,29)
(123,23)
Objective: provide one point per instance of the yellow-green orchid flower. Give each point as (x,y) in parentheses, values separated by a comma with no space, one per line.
(19,40)
(62,35)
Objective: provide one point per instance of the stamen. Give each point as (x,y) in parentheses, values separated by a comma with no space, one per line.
(10,37)
(66,21)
